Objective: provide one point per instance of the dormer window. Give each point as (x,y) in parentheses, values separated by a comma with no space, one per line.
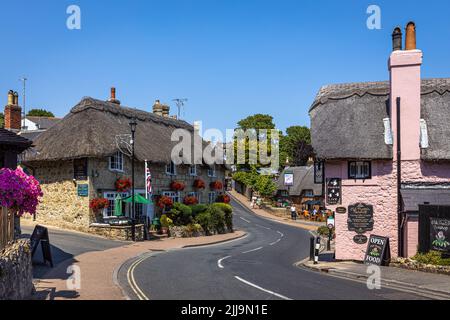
(359,170)
(116,162)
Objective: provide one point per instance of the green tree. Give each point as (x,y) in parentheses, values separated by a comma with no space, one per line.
(296,145)
(40,113)
(2,120)
(265,186)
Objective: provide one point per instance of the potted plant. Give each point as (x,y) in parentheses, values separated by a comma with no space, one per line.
(165,202)
(199,184)
(98,204)
(190,201)
(216,185)
(166,223)
(123,184)
(177,186)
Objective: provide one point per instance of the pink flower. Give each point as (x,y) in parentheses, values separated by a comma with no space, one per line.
(19,191)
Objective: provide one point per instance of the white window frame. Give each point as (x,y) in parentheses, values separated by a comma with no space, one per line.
(212,196)
(111,197)
(360,170)
(174,195)
(195,194)
(193,170)
(212,171)
(171,169)
(116,162)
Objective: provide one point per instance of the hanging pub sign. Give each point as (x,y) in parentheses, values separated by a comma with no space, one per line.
(288,178)
(434,229)
(318,172)
(334,191)
(378,251)
(360,218)
(80,169)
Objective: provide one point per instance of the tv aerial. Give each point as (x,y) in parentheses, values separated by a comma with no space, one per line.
(180,104)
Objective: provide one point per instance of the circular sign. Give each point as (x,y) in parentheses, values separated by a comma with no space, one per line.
(360,239)
(330,226)
(341,210)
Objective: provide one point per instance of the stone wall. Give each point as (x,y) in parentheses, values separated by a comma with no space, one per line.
(123,233)
(16,273)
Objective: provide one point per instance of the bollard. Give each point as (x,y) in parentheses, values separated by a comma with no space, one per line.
(312,243)
(317,250)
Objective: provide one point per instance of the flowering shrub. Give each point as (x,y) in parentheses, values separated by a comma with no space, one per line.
(190,201)
(98,204)
(199,184)
(216,185)
(19,191)
(123,184)
(177,186)
(165,201)
(223,198)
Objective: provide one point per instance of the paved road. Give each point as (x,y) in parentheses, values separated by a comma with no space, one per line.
(260,266)
(66,245)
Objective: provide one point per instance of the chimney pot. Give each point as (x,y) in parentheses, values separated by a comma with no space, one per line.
(411,36)
(10,98)
(13,113)
(113,99)
(397,39)
(16,99)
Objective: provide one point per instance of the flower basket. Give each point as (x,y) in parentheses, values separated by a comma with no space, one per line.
(165,202)
(190,201)
(98,204)
(177,186)
(216,185)
(199,184)
(223,198)
(123,184)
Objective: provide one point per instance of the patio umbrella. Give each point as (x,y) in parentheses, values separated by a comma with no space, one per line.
(137,199)
(118,206)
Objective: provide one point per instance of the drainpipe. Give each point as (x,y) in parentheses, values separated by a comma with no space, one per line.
(399,183)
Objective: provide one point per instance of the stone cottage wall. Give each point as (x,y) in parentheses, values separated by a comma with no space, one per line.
(380,191)
(16,273)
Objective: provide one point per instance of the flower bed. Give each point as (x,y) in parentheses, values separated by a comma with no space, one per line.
(430,262)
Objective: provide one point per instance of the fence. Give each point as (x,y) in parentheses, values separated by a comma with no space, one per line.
(6,227)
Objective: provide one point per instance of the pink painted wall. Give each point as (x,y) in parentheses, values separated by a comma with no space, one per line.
(412,237)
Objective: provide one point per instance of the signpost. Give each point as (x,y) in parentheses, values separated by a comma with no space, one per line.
(360,218)
(378,251)
(40,235)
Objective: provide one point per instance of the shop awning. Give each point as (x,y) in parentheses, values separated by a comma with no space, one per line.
(412,198)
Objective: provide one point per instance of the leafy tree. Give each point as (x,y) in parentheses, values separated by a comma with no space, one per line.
(40,113)
(296,145)
(265,186)
(2,120)
(257,121)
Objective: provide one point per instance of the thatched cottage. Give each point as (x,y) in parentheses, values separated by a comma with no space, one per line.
(80,159)
(386,149)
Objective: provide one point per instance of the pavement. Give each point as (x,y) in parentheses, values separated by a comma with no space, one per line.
(96,261)
(260,266)
(307,225)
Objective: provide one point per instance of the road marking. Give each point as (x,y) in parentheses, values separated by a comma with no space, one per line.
(281,234)
(244,219)
(262,289)
(130,277)
(274,243)
(219,262)
(253,250)
(258,225)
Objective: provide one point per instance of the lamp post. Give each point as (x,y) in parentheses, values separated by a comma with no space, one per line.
(133,125)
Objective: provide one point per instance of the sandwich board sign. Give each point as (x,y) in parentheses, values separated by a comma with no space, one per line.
(378,251)
(40,235)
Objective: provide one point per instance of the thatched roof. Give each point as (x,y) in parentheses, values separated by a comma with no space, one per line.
(90,130)
(347,120)
(303,180)
(11,141)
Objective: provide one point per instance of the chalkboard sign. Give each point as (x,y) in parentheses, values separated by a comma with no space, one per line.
(360,218)
(334,191)
(40,235)
(440,234)
(434,229)
(83,190)
(378,251)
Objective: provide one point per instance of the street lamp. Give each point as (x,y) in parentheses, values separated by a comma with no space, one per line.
(133,125)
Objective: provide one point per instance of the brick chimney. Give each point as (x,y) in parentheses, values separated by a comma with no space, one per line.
(13,113)
(113,99)
(161,109)
(405,82)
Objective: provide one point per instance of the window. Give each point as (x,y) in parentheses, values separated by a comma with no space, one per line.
(171,169)
(111,196)
(212,197)
(212,171)
(196,195)
(175,196)
(193,170)
(116,162)
(359,170)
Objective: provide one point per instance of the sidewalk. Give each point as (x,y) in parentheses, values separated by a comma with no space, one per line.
(435,286)
(308,225)
(97,269)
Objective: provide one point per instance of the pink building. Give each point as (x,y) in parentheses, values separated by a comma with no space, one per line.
(356,134)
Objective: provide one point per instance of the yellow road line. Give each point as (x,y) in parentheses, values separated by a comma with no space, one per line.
(132,282)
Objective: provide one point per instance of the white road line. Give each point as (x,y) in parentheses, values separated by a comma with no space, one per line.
(253,250)
(130,277)
(244,219)
(258,225)
(262,289)
(219,262)
(274,243)
(281,234)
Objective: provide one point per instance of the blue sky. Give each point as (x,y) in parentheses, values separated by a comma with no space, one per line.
(231,58)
